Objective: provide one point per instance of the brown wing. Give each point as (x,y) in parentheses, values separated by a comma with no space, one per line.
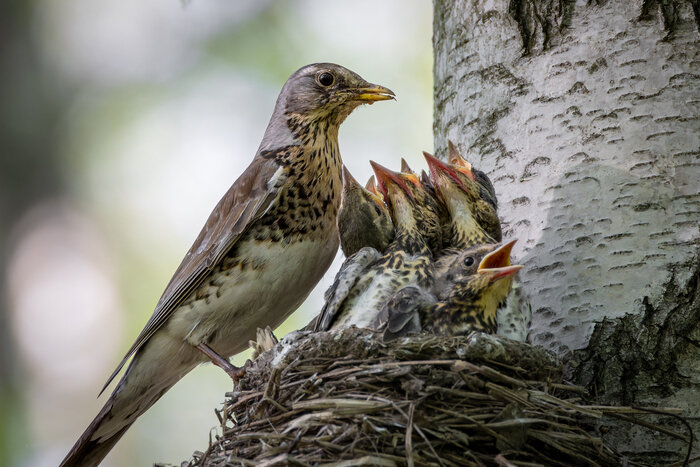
(246,201)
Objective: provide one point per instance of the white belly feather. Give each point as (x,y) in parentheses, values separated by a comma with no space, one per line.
(251,298)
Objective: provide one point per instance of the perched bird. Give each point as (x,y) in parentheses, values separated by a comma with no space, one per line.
(355,299)
(470,305)
(471,202)
(363,219)
(264,247)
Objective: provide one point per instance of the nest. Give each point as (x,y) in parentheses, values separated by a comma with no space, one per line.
(349,399)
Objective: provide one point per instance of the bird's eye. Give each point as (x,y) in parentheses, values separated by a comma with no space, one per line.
(326,79)
(468,261)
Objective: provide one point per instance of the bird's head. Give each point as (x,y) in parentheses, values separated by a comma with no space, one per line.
(412,207)
(490,285)
(486,189)
(326,91)
(313,103)
(363,218)
(354,194)
(465,195)
(453,183)
(467,262)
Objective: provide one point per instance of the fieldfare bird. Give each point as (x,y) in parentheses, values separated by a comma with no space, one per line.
(471,202)
(486,189)
(470,305)
(264,247)
(472,212)
(363,219)
(456,268)
(356,297)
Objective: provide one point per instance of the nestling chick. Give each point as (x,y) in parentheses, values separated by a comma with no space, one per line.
(470,305)
(474,221)
(363,219)
(406,261)
(473,216)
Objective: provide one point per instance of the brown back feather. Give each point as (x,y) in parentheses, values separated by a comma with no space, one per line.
(246,201)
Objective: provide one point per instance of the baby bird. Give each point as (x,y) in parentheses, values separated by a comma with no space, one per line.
(489,222)
(457,267)
(471,202)
(408,259)
(470,305)
(473,215)
(363,218)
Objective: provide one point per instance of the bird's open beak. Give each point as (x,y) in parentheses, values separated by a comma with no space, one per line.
(496,265)
(438,167)
(387,176)
(373,93)
(374,193)
(457,160)
(495,274)
(499,257)
(348,179)
(371,186)
(425,179)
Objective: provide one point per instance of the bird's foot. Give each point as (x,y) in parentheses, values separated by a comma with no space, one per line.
(233,371)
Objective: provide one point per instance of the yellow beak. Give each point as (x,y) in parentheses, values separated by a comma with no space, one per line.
(374,93)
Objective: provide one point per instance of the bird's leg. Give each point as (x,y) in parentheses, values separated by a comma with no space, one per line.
(233,371)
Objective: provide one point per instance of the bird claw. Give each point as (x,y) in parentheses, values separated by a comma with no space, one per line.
(232,370)
(235,373)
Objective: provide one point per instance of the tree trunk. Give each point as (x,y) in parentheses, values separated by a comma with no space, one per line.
(585,116)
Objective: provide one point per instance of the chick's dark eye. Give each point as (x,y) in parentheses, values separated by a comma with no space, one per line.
(326,79)
(468,261)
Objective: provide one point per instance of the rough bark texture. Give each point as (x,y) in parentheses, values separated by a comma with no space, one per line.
(585,115)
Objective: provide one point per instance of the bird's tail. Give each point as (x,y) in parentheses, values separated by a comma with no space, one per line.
(89,450)
(135,393)
(152,371)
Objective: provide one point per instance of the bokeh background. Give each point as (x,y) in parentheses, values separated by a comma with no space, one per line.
(123,123)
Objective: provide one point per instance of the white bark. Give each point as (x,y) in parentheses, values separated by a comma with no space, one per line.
(585,116)
(593,149)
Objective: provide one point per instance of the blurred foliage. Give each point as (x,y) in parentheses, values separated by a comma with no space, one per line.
(139,116)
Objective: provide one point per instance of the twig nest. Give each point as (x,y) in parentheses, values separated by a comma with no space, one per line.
(348,398)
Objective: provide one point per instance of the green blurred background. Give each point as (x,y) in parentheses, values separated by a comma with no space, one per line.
(123,123)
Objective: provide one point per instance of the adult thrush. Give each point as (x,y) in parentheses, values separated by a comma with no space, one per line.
(357,297)
(264,247)
(471,202)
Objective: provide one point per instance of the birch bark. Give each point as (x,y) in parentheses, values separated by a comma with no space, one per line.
(585,116)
